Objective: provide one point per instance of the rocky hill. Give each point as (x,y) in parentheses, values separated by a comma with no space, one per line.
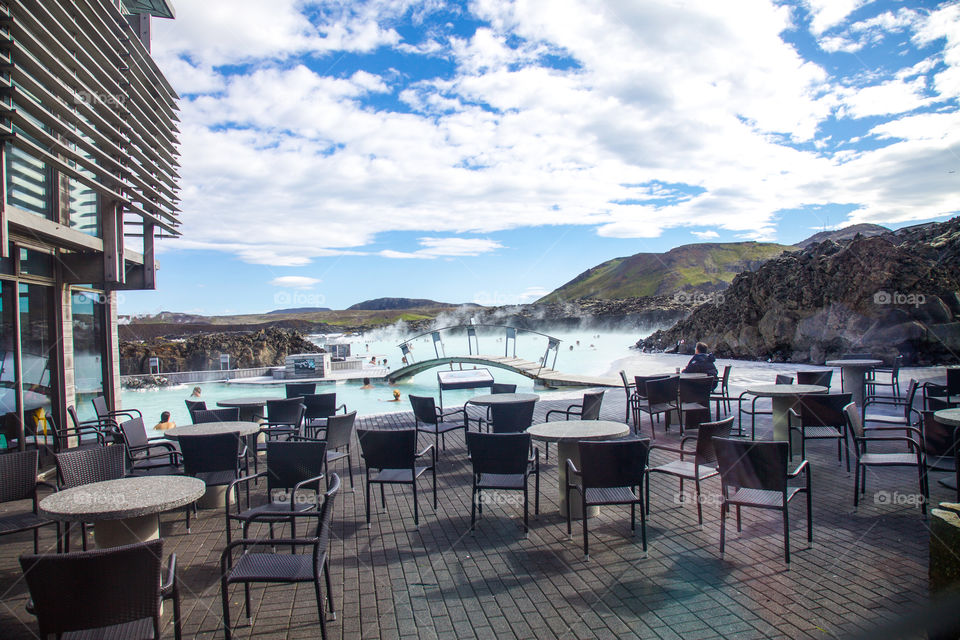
(887,294)
(841,235)
(692,269)
(388,304)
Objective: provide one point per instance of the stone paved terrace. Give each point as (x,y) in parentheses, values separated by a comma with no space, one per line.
(441,581)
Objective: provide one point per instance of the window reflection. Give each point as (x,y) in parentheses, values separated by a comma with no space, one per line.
(88,349)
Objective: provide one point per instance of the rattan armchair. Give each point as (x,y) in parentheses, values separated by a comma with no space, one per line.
(18,471)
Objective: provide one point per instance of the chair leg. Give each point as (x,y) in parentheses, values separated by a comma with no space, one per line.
(786,533)
(809,517)
(526,508)
(856,485)
(246,597)
(320,613)
(696,484)
(475,494)
(646,488)
(326,573)
(536,494)
(569,519)
(416,509)
(924,492)
(350,466)
(739,528)
(724,507)
(643,524)
(368,499)
(83,535)
(225,603)
(586,548)
(383,497)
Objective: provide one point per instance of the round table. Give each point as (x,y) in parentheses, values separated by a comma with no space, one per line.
(213,428)
(502,398)
(123,511)
(567,434)
(784,397)
(852,373)
(251,409)
(951,418)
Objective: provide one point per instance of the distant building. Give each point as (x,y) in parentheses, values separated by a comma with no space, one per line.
(88,154)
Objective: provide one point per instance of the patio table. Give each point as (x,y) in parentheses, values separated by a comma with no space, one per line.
(251,409)
(852,373)
(784,397)
(213,428)
(951,418)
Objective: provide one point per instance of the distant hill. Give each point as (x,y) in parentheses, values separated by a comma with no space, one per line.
(297,310)
(387,304)
(700,267)
(847,233)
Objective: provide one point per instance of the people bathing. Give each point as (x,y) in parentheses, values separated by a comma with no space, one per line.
(165,421)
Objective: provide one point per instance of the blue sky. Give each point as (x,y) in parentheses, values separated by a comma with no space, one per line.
(490,151)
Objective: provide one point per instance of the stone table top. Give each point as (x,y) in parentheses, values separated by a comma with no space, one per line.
(212,428)
(564,430)
(503,398)
(853,363)
(123,498)
(253,401)
(950,417)
(784,390)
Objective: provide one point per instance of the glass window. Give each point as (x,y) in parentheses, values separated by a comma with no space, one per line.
(35,263)
(8,378)
(36,349)
(29,182)
(84,201)
(88,349)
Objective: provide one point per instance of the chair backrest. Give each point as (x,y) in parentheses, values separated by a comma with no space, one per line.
(424,409)
(291,462)
(591,405)
(388,449)
(613,463)
(706,454)
(662,390)
(930,390)
(19,473)
(325,521)
(300,389)
(752,464)
(626,383)
(695,390)
(824,410)
(912,387)
(134,432)
(319,405)
(936,404)
(953,380)
(725,377)
(503,387)
(506,453)
(209,453)
(939,440)
(90,589)
(854,424)
(895,367)
(820,378)
(289,411)
(641,383)
(100,406)
(784,379)
(226,414)
(512,417)
(195,405)
(340,429)
(83,466)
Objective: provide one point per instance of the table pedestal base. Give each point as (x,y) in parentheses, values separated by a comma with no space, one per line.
(214,498)
(565,451)
(854,383)
(781,406)
(115,533)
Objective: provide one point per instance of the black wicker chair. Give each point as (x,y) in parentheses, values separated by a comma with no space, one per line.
(319,407)
(608,473)
(862,436)
(723,397)
(753,412)
(512,417)
(391,458)
(503,462)
(107,593)
(84,466)
(693,399)
(893,371)
(503,387)
(227,414)
(661,399)
(588,409)
(432,420)
(82,435)
(300,389)
(215,459)
(18,471)
(819,378)
(339,438)
(755,474)
(145,456)
(292,467)
(104,413)
(628,389)
(703,465)
(820,417)
(941,449)
(284,420)
(640,384)
(195,405)
(276,568)
(936,397)
(909,418)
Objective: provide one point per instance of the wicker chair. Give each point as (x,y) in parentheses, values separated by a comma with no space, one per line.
(300,389)
(693,397)
(936,397)
(339,438)
(284,419)
(82,435)
(661,399)
(703,465)
(608,473)
(893,371)
(820,417)
(107,593)
(227,414)
(432,420)
(941,450)
(909,418)
(320,407)
(755,474)
(391,458)
(640,384)
(215,459)
(503,387)
(140,451)
(195,405)
(503,462)
(269,567)
(19,473)
(512,417)
(105,414)
(629,389)
(85,466)
(723,397)
(819,378)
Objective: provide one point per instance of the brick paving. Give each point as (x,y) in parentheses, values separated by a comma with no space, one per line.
(440,581)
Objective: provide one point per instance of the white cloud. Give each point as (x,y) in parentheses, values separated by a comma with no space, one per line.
(446,248)
(295,282)
(825,14)
(706,235)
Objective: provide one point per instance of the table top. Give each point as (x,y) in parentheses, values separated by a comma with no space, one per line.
(853,363)
(562,430)
(773,390)
(123,498)
(502,398)
(212,428)
(949,417)
(694,376)
(253,401)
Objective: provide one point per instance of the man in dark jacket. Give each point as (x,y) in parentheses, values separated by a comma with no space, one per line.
(702,362)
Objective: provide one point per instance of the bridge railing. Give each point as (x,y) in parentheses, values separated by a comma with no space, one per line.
(473,342)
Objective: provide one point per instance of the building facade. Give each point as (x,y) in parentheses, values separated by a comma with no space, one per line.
(88,155)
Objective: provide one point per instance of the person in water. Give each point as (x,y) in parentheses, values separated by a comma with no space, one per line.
(703,362)
(396,396)
(366,384)
(196,392)
(165,422)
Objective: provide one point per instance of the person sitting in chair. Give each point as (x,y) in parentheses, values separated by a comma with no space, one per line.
(703,362)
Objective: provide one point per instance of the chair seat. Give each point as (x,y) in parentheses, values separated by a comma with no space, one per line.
(763,498)
(273,567)
(217,478)
(501,481)
(895,420)
(441,427)
(22,521)
(658,408)
(889,459)
(610,495)
(821,432)
(693,406)
(398,476)
(160,470)
(685,469)
(137,630)
(335,455)
(279,509)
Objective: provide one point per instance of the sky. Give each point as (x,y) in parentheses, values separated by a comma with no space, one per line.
(488,151)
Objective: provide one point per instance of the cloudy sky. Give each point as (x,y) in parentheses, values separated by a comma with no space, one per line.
(490,150)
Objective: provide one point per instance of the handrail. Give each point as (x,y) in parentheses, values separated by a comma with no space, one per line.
(465,326)
(553,344)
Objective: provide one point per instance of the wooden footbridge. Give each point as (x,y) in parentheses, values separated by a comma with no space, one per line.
(542,372)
